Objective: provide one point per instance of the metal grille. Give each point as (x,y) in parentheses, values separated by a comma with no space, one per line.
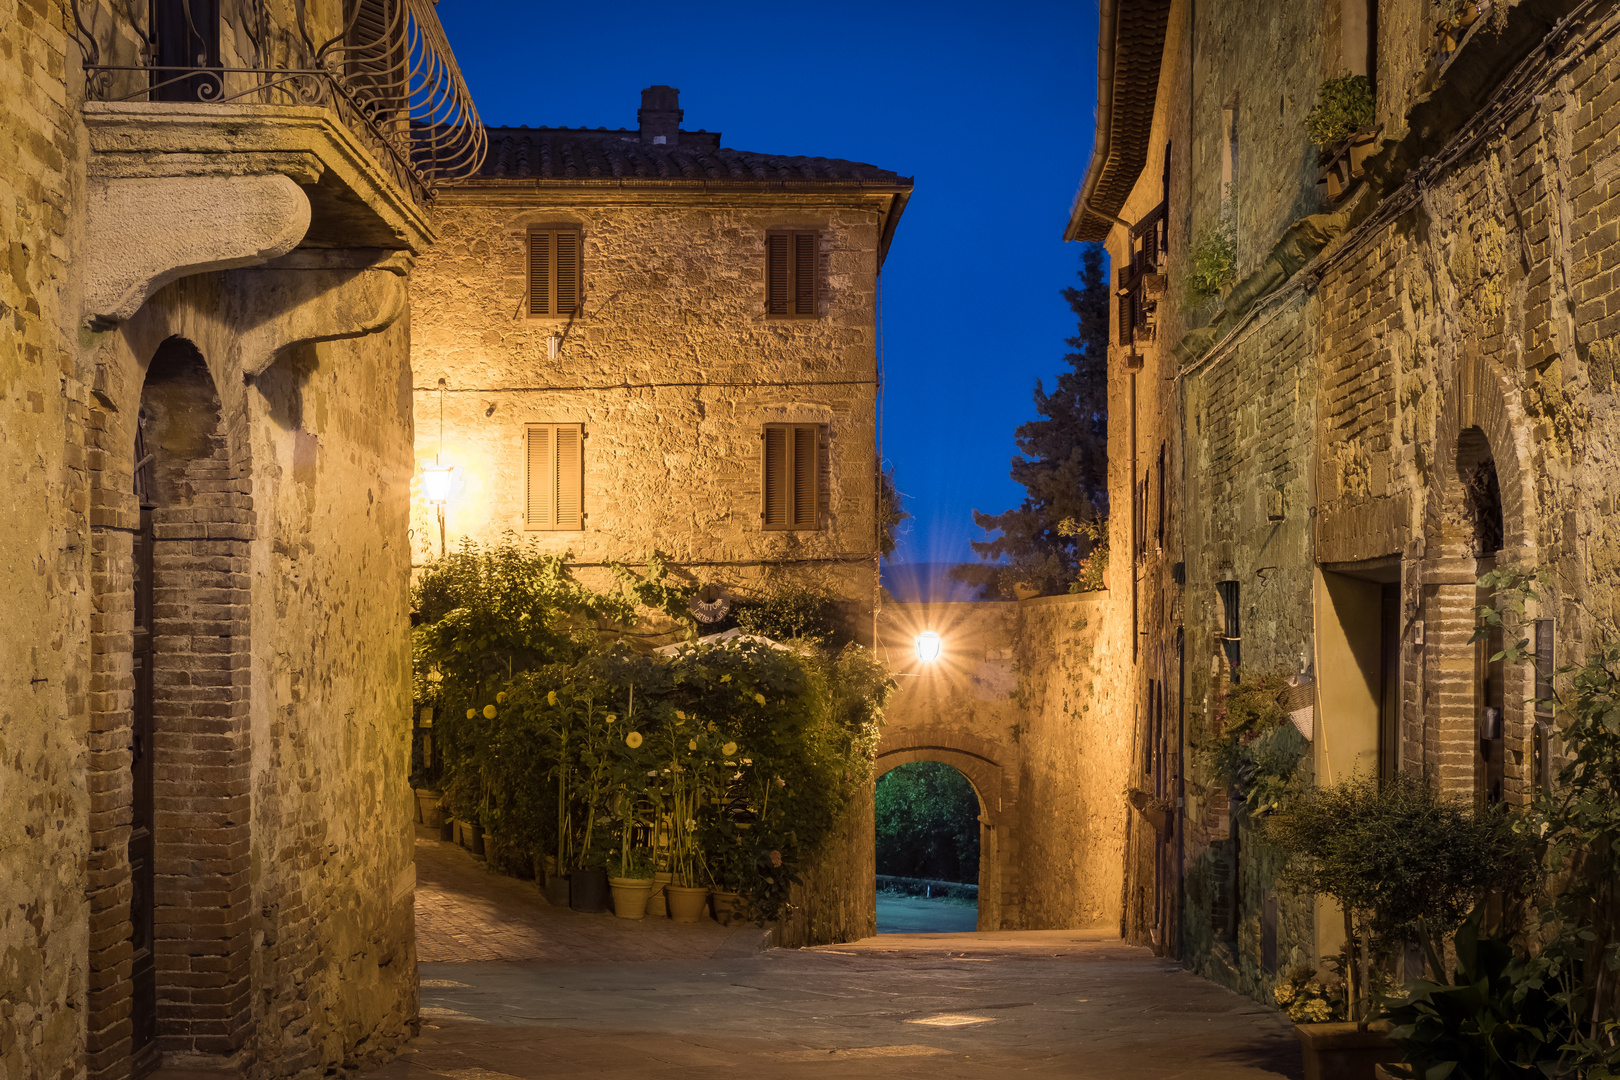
(389,74)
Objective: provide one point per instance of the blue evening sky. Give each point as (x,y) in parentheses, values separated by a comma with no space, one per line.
(989,106)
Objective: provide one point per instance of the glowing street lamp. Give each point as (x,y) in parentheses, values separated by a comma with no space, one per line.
(436,482)
(928,644)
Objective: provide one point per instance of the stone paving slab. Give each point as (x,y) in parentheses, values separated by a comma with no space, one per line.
(1061,1005)
(466,913)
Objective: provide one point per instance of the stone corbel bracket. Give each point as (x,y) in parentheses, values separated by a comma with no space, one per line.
(312,295)
(143,232)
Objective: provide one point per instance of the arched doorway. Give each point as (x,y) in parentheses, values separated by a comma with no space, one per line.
(928,819)
(189,750)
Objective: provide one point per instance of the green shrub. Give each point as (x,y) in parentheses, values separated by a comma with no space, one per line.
(1343,107)
(1212,263)
(1257,749)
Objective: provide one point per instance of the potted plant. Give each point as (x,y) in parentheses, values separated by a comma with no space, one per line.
(1343,123)
(634,884)
(1404,864)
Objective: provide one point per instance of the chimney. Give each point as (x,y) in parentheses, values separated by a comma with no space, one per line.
(660,115)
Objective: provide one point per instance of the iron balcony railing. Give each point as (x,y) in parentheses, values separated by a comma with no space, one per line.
(1139,283)
(389,73)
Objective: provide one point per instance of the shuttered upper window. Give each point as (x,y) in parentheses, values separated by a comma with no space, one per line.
(790,274)
(554,477)
(792,477)
(554,271)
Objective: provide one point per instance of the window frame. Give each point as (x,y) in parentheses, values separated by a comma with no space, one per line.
(790,448)
(792,300)
(555,523)
(553,230)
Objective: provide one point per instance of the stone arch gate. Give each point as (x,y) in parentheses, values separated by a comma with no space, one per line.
(1024,701)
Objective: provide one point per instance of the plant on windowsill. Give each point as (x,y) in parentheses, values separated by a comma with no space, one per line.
(1212,263)
(1405,865)
(1343,123)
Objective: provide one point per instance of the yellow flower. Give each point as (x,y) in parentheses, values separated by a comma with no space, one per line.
(551,697)
(679,715)
(612,717)
(471,713)
(633,739)
(500,698)
(760,698)
(489,712)
(692,745)
(729,749)
(725,678)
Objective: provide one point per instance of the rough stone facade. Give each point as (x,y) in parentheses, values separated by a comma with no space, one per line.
(1022,701)
(671,362)
(206,437)
(1400,389)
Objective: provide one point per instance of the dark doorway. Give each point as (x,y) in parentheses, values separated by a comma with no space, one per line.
(928,843)
(185,38)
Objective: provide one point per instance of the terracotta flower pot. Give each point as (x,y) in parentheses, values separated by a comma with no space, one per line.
(725,906)
(686,904)
(1341,1051)
(656,905)
(429,812)
(630,896)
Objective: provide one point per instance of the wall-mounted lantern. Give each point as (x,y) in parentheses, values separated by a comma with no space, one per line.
(436,482)
(928,645)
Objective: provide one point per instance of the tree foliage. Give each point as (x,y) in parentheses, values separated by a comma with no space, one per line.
(927,823)
(1062,462)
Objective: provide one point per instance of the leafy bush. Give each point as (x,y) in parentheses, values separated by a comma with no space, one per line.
(788,614)
(1212,263)
(1403,863)
(1257,749)
(1343,107)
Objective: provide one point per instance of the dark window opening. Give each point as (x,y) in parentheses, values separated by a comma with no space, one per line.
(1232,627)
(185,40)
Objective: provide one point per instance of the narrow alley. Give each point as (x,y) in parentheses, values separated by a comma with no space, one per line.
(514,988)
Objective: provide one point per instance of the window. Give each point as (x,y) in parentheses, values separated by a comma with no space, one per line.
(554,271)
(554,477)
(1229,154)
(1232,635)
(791,477)
(790,274)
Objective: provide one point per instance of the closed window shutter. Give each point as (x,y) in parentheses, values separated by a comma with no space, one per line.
(540,273)
(570,477)
(776,478)
(792,477)
(554,480)
(805,467)
(804,273)
(567,245)
(777,268)
(540,478)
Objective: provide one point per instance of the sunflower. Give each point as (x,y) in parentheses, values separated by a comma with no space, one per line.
(729,749)
(489,712)
(633,739)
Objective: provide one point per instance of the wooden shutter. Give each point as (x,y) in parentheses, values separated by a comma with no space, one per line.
(776,274)
(540,273)
(554,272)
(791,477)
(804,273)
(567,246)
(775,511)
(554,478)
(790,274)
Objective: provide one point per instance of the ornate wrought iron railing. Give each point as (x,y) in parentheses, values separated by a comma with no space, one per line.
(389,73)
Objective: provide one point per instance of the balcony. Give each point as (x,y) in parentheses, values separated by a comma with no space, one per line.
(1139,284)
(384,72)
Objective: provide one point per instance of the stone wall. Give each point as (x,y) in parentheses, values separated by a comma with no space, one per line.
(1023,701)
(280,470)
(672,367)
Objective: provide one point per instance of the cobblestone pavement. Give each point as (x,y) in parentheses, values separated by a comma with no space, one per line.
(466,913)
(563,1000)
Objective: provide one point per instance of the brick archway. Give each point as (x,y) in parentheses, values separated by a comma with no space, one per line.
(982,763)
(1481,422)
(193,479)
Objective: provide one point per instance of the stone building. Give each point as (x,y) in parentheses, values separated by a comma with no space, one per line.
(1408,379)
(205,437)
(641,342)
